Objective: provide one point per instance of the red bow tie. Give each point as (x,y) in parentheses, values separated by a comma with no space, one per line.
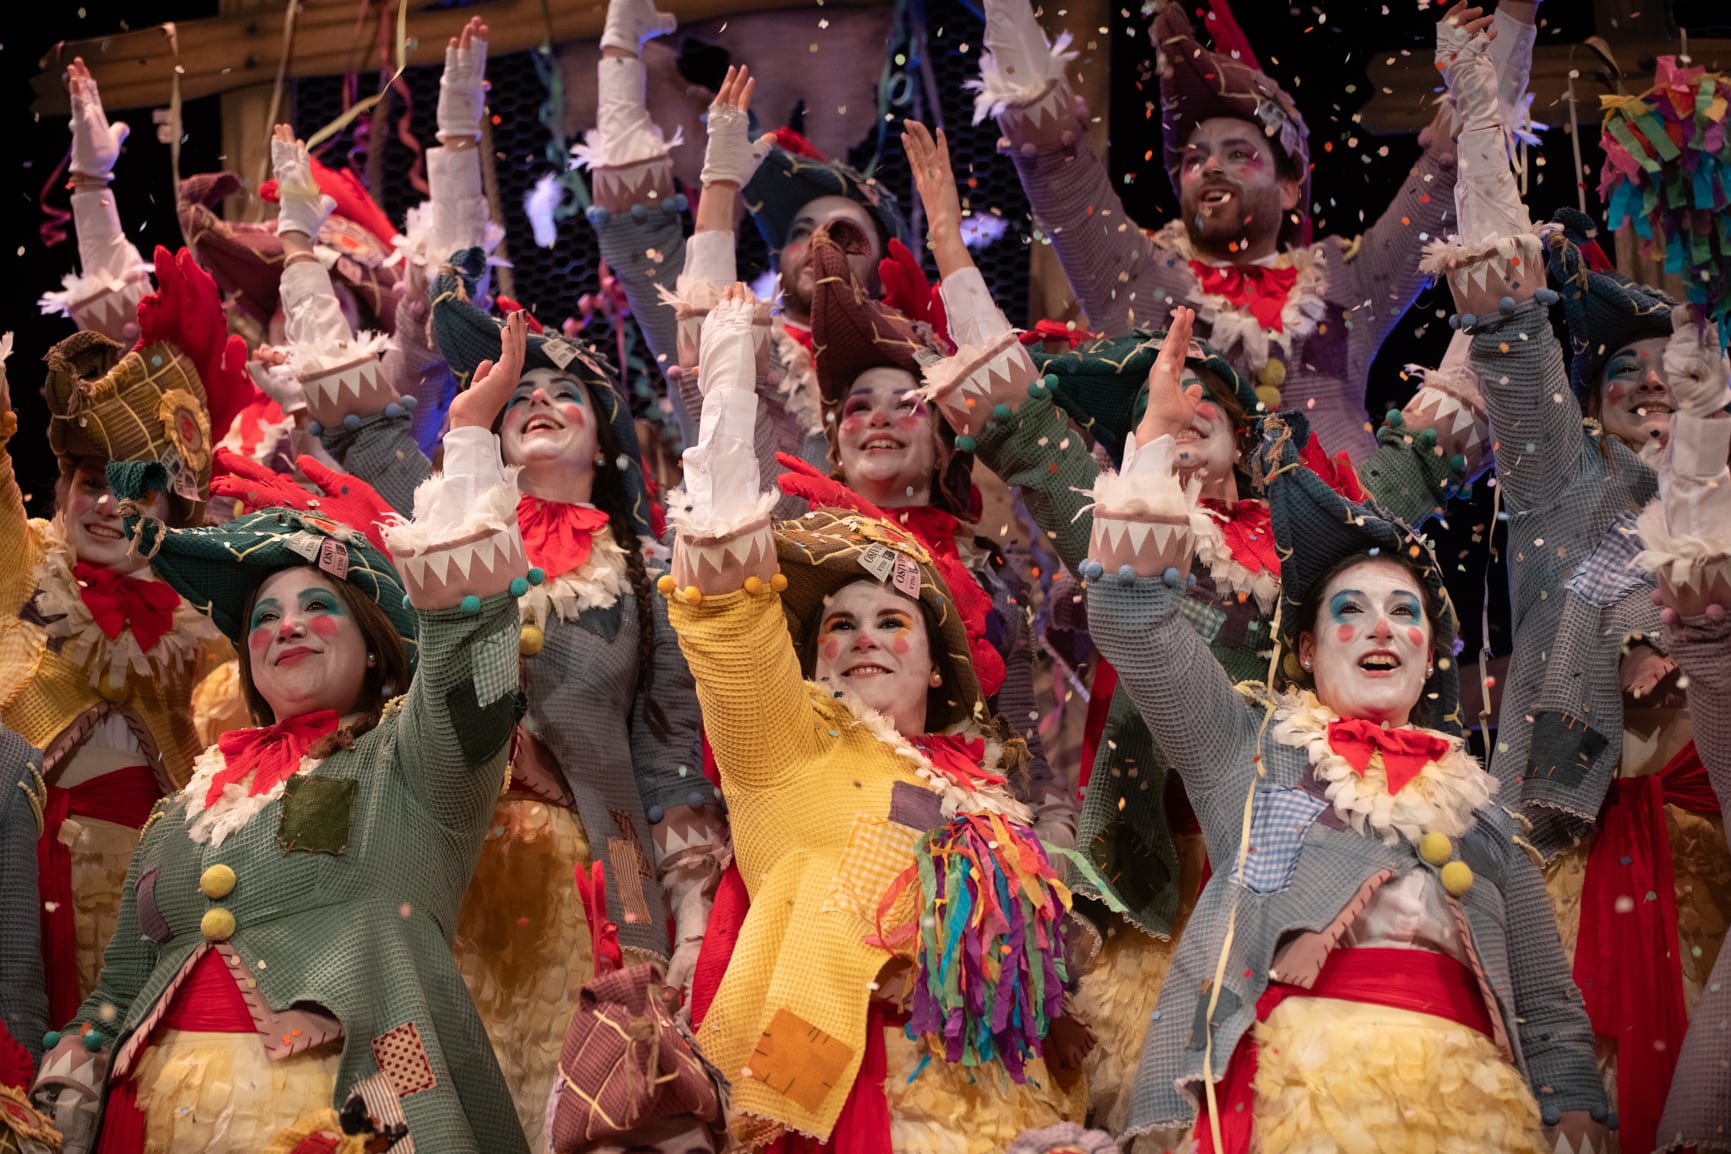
(270,754)
(803,336)
(1248,534)
(557,537)
(957,758)
(1262,289)
(117,601)
(1405,752)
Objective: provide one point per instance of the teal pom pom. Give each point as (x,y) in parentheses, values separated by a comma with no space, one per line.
(470,604)
(93,1041)
(966,443)
(537,575)
(519,586)
(51,1039)
(1001,412)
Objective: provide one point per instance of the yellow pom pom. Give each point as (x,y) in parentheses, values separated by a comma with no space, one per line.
(1457,878)
(666,584)
(1435,849)
(693,595)
(217,882)
(1272,375)
(778,582)
(217,925)
(113,691)
(754,585)
(530,639)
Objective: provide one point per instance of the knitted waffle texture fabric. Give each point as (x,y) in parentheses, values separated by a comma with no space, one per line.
(382,451)
(644,254)
(1125,279)
(1698,1111)
(23,998)
(50,701)
(1571,496)
(1015,701)
(1212,736)
(358,920)
(809,791)
(585,707)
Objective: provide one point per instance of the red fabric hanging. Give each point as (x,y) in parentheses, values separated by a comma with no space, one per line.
(863,1126)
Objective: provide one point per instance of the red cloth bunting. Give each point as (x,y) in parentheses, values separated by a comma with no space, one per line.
(1404,751)
(117,601)
(907,290)
(1336,471)
(1248,534)
(603,932)
(1626,962)
(122,797)
(1261,288)
(271,754)
(1416,980)
(957,758)
(558,536)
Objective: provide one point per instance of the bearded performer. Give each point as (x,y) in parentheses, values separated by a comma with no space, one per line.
(1302,320)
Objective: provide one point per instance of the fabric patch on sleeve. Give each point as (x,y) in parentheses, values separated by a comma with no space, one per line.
(481,729)
(877,852)
(799,1060)
(629,869)
(1205,1024)
(602,620)
(150,918)
(497,663)
(316,813)
(1563,748)
(914,807)
(1609,572)
(403,1060)
(1278,819)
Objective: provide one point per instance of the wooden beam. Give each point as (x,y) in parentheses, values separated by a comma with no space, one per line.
(1404,84)
(245,112)
(238,49)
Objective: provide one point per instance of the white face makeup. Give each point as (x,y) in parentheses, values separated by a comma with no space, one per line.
(93,524)
(1635,402)
(1208,448)
(886,439)
(798,285)
(549,421)
(1372,644)
(305,650)
(872,641)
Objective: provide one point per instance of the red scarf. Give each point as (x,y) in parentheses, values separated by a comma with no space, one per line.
(557,536)
(117,601)
(937,531)
(1626,962)
(1248,534)
(271,754)
(957,758)
(121,797)
(1404,751)
(1260,288)
(802,335)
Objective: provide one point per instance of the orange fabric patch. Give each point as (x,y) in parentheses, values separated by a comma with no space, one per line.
(799,1060)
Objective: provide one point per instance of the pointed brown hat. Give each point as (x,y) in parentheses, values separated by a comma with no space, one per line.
(850,331)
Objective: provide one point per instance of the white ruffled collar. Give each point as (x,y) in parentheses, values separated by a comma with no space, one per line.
(84,643)
(1444,797)
(213,823)
(1234,330)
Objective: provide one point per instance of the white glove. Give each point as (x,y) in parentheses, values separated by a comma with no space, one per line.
(280,386)
(301,206)
(1016,42)
(95,142)
(633,23)
(1694,366)
(732,155)
(462,91)
(1472,77)
(690,894)
(726,352)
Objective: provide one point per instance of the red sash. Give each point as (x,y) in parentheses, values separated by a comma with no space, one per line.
(123,797)
(1416,980)
(1626,962)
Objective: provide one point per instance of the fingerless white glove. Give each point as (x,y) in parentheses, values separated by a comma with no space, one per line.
(1016,42)
(1694,366)
(282,387)
(462,91)
(301,207)
(732,155)
(95,142)
(633,23)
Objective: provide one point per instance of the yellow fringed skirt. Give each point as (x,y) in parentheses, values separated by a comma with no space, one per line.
(523,945)
(219,1093)
(1338,1077)
(101,852)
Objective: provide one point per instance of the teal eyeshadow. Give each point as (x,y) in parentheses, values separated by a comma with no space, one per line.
(258,610)
(1337,607)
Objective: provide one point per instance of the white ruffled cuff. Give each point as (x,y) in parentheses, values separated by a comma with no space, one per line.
(1695,482)
(1145,518)
(974,317)
(1006,82)
(463,541)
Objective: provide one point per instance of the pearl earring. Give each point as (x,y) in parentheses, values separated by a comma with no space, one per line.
(1307,667)
(372,660)
(937,679)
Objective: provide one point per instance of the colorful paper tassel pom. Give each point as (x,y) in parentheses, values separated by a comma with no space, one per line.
(1668,170)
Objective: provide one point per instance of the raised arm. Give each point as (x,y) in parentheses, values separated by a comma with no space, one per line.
(1113,269)
(637,209)
(463,566)
(456,215)
(19,549)
(116,276)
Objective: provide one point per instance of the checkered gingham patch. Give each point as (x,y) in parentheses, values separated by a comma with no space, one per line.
(496,666)
(403,1060)
(1609,573)
(1278,819)
(878,851)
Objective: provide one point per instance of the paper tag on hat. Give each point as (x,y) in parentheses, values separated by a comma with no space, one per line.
(879,561)
(180,478)
(305,543)
(334,558)
(908,576)
(560,352)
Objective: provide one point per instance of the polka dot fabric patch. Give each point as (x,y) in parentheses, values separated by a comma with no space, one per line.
(403,1060)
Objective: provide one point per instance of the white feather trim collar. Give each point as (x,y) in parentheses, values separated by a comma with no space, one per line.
(211,825)
(85,644)
(1234,331)
(595,584)
(798,385)
(1444,797)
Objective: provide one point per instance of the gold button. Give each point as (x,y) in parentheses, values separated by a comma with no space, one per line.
(217,882)
(113,691)
(217,925)
(1457,878)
